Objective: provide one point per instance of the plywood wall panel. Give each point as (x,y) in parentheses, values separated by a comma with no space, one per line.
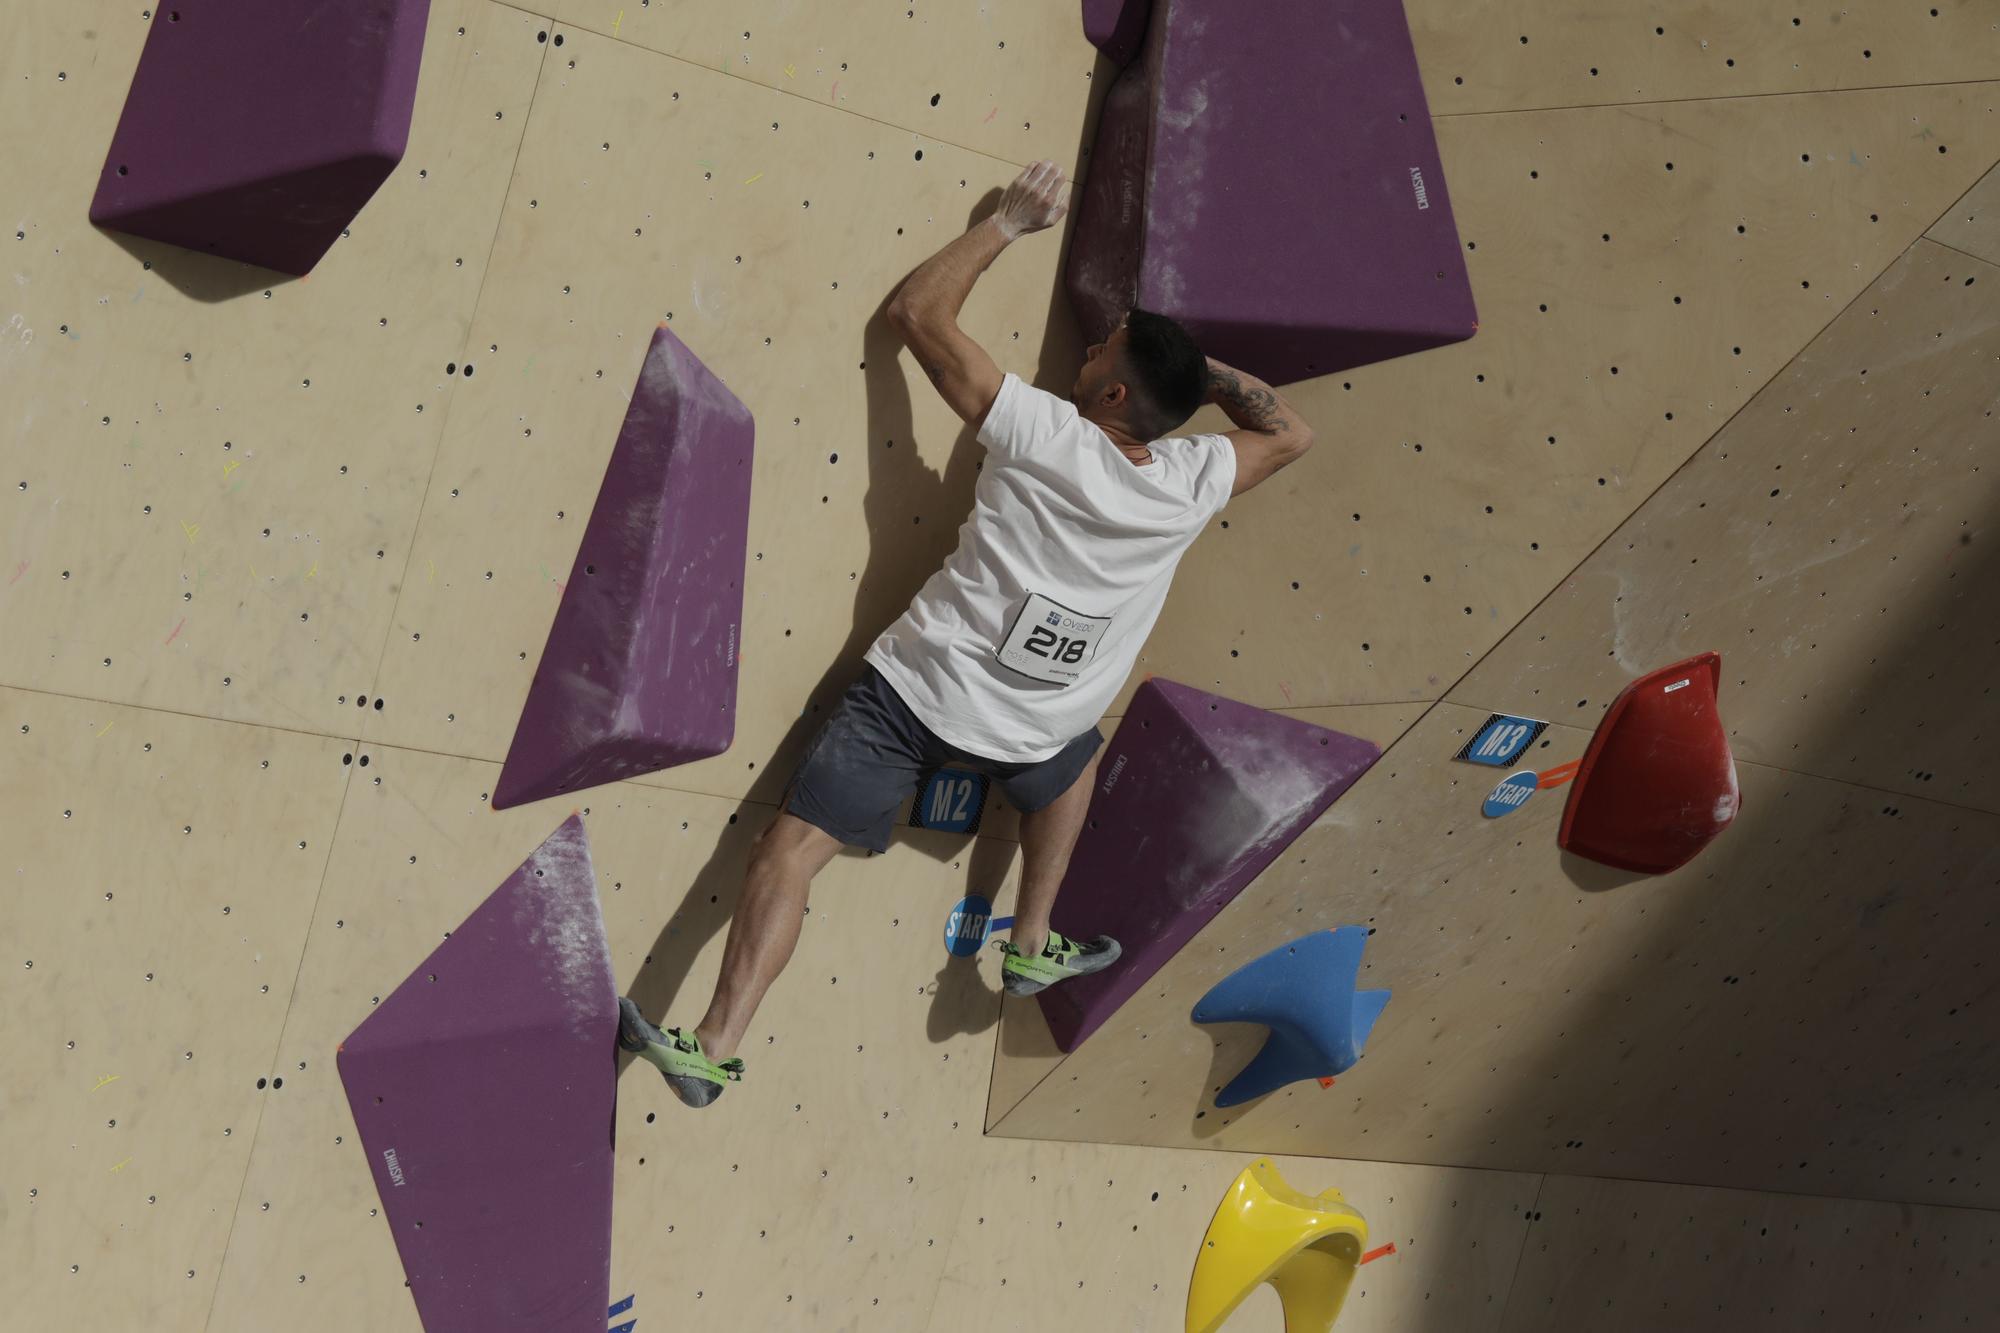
(1776,1014)
(1973,223)
(1013,80)
(214,472)
(1562,53)
(161,873)
(1650,1258)
(1837,543)
(1642,272)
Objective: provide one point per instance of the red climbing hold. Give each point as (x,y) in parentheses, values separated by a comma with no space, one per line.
(1657,783)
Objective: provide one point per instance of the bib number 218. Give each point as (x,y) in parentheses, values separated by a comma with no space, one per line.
(1050,642)
(1045,642)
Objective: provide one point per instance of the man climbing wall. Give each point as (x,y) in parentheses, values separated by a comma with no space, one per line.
(1009,655)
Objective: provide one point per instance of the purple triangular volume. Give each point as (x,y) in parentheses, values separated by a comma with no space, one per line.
(1196,794)
(484,1090)
(256,130)
(639,672)
(1275,186)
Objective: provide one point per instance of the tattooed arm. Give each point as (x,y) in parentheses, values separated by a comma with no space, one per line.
(1270,433)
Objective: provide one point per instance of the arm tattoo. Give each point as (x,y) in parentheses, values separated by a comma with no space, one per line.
(1255,408)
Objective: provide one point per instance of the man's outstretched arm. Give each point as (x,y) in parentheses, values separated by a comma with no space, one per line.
(925,310)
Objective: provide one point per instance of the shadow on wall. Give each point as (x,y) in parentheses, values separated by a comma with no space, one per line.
(199,277)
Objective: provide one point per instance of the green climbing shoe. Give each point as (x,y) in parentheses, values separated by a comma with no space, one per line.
(1060,959)
(695,1079)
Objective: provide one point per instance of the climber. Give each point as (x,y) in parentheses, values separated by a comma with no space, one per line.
(1009,655)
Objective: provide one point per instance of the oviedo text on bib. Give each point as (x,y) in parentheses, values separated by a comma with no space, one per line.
(1050,642)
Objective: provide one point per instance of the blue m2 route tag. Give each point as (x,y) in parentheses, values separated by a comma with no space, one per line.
(950,801)
(1512,793)
(1501,740)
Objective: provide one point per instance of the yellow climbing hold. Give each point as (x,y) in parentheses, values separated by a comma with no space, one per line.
(1265,1231)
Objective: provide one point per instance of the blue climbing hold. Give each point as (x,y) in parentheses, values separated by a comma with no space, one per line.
(1304,992)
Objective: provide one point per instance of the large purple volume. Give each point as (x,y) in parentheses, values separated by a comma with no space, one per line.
(257,129)
(1116,27)
(1196,794)
(639,672)
(484,1089)
(1274,184)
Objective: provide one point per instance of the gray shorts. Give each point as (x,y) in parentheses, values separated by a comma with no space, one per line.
(873,751)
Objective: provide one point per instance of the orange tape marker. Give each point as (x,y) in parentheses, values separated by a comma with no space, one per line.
(1557,776)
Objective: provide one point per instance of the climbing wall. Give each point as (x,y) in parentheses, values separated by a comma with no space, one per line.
(1778,1013)
(277,558)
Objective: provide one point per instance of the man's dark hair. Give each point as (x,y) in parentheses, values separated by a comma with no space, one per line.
(1169,373)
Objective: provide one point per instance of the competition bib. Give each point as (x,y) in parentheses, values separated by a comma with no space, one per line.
(1049,642)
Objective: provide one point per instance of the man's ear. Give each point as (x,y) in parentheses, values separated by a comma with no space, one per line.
(1115,395)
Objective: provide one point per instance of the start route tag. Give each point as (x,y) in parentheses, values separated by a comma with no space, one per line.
(1512,793)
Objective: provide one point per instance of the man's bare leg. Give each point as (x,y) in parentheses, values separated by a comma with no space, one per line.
(765,928)
(1048,836)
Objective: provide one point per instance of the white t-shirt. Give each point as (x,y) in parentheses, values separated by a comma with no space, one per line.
(1025,636)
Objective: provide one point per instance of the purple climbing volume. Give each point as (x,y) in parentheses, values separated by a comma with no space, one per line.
(1196,795)
(256,130)
(484,1090)
(1272,184)
(639,672)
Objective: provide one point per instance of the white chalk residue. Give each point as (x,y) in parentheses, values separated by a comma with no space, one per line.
(1266,803)
(660,376)
(560,916)
(1727,804)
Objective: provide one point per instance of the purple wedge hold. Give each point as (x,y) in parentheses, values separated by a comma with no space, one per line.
(639,672)
(1196,795)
